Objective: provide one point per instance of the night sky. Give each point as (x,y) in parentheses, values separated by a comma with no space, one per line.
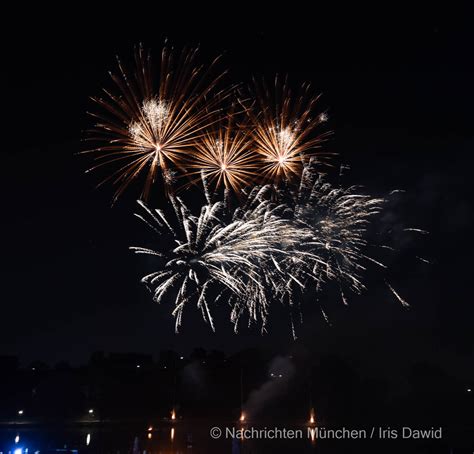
(399,90)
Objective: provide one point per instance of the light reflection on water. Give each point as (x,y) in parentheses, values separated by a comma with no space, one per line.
(176,438)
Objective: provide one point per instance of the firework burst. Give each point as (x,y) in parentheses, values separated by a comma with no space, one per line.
(150,124)
(213,252)
(331,227)
(283,125)
(337,220)
(267,250)
(224,156)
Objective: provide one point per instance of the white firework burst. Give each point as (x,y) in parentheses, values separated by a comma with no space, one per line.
(215,249)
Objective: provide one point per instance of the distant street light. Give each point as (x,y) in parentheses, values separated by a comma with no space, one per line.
(312,419)
(138,366)
(17,439)
(469,390)
(20,412)
(91,411)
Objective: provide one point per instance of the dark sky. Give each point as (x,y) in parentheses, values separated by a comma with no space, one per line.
(398,86)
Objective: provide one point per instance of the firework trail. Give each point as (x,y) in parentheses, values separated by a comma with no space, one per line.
(149,124)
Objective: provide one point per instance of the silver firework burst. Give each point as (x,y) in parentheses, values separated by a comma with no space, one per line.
(215,249)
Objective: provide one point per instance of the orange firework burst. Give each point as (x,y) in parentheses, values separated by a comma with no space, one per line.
(283,130)
(150,125)
(224,155)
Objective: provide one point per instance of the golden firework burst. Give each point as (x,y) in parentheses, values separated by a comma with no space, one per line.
(224,155)
(150,124)
(283,127)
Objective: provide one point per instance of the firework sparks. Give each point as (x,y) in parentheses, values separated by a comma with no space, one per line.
(281,130)
(150,125)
